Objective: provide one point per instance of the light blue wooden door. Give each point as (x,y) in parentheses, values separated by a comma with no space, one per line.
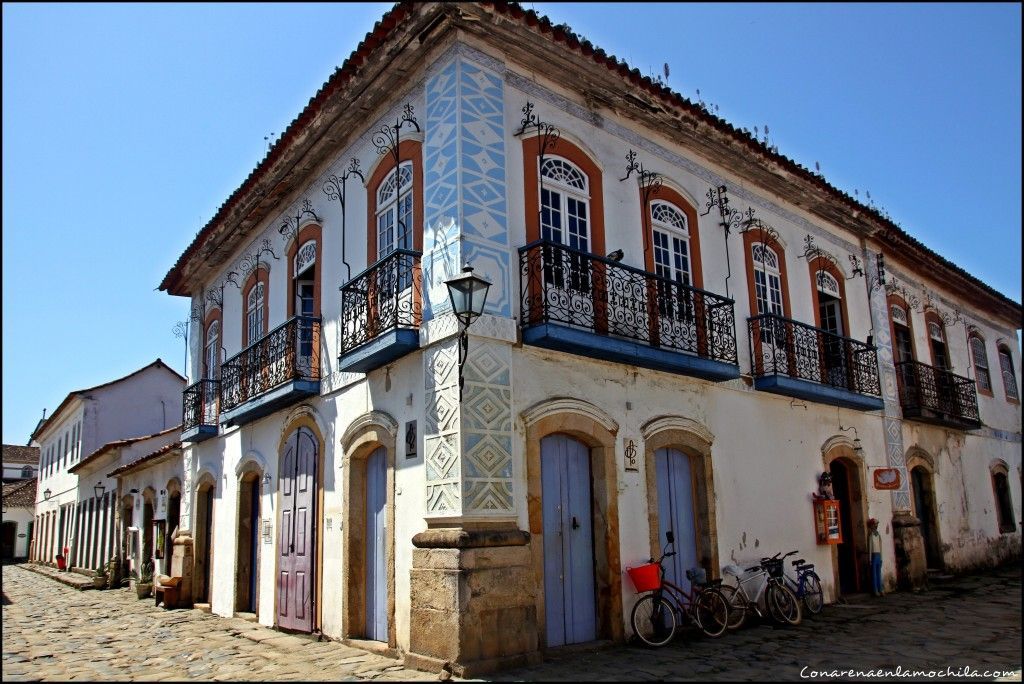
(376,568)
(675,512)
(569,598)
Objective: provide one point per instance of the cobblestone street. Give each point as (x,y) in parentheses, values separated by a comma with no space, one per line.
(52,632)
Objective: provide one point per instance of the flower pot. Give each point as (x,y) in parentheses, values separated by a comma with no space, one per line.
(99,582)
(143,589)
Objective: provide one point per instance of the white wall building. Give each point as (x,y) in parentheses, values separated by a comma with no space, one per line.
(88,424)
(701,380)
(18,519)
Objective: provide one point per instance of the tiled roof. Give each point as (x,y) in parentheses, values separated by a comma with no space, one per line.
(13,453)
(109,446)
(71,395)
(145,460)
(20,494)
(562,34)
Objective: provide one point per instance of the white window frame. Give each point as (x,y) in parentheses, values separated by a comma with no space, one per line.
(772,274)
(211,350)
(254,312)
(566,192)
(387,205)
(674,235)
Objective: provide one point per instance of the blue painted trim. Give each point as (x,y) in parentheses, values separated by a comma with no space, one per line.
(586,343)
(199,433)
(816,392)
(380,350)
(265,404)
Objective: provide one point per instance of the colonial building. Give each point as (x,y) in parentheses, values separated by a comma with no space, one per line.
(75,504)
(18,508)
(684,329)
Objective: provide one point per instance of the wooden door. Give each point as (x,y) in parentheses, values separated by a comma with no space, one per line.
(376,558)
(296,541)
(569,597)
(675,512)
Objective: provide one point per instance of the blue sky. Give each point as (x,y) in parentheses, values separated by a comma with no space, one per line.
(126,126)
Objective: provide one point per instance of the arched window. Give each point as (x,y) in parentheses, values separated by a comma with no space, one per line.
(565,204)
(830,303)
(1009,377)
(1004,505)
(211,351)
(395,211)
(255,323)
(27,472)
(980,357)
(937,341)
(671,242)
(767,279)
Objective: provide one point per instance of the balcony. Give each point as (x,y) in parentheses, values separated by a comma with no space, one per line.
(802,361)
(380,313)
(584,304)
(200,405)
(934,395)
(279,369)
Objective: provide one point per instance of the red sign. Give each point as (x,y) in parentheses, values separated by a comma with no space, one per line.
(887,478)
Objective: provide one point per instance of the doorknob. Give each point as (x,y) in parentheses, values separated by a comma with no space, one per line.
(575,524)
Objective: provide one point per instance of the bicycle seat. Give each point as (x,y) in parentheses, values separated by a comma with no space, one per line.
(806,568)
(754,569)
(798,561)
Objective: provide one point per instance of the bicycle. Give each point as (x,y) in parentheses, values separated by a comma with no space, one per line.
(658,613)
(782,604)
(807,585)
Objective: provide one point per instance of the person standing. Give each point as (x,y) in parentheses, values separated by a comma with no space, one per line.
(875,547)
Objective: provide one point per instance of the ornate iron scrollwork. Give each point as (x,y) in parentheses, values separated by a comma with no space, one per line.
(650,183)
(547,137)
(387,140)
(289,228)
(729,219)
(894,287)
(334,188)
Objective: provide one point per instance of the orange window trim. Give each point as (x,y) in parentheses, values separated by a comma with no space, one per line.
(646,224)
(260,275)
(310,232)
(1002,349)
(932,317)
(408,151)
(567,150)
(214,316)
(750,238)
(823,264)
(899,301)
(974,365)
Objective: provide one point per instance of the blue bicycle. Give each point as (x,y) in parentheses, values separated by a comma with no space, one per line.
(807,585)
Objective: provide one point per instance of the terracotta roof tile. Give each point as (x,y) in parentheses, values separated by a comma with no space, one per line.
(13,453)
(19,494)
(135,465)
(109,446)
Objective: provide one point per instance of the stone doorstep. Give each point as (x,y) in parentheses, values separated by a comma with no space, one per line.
(71,579)
(375,647)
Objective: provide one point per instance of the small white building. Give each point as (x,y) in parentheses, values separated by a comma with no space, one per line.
(75,515)
(18,508)
(20,462)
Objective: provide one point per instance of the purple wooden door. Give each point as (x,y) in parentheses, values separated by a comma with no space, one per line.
(296,539)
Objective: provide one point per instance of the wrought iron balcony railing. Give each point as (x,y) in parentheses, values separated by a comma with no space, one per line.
(569,287)
(782,346)
(953,397)
(200,404)
(384,297)
(289,352)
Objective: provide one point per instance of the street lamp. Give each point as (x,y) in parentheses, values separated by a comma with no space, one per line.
(46,494)
(468,293)
(98,490)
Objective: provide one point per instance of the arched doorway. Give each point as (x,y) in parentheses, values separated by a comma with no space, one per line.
(248,545)
(297,494)
(147,526)
(851,553)
(923,488)
(8,536)
(173,520)
(203,540)
(570,601)
(368,538)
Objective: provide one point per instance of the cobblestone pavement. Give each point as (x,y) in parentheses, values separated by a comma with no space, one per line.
(52,632)
(973,621)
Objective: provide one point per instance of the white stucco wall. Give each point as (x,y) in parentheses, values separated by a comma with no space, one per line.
(22,516)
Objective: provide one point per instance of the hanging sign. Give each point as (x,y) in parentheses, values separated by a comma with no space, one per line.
(161,506)
(887,478)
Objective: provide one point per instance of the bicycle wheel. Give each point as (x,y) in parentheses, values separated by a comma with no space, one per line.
(711,612)
(783,604)
(653,620)
(737,606)
(814,598)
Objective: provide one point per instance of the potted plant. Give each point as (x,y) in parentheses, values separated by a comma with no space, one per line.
(100,580)
(144,586)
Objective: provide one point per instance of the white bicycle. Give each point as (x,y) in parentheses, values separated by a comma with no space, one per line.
(770,597)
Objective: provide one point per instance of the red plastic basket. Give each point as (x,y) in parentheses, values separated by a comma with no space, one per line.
(645,577)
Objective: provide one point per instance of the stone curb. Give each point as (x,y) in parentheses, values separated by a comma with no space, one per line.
(71,579)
